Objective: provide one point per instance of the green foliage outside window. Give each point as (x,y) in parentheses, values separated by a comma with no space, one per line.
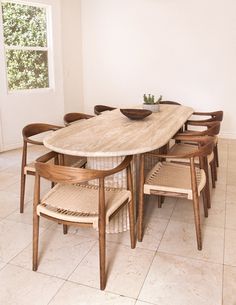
(25,26)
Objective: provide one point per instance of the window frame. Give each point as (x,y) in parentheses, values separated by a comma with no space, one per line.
(48,48)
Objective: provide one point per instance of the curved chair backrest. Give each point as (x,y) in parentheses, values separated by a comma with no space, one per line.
(204,148)
(214,116)
(75,116)
(37,128)
(206,145)
(72,175)
(98,109)
(169,103)
(213,129)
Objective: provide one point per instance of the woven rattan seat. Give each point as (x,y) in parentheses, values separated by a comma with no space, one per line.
(79,203)
(80,162)
(161,178)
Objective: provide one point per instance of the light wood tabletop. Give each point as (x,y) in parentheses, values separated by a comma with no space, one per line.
(112,134)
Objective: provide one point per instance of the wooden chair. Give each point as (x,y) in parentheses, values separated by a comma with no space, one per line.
(29,168)
(75,116)
(212,128)
(74,202)
(215,116)
(98,109)
(68,119)
(177,180)
(165,148)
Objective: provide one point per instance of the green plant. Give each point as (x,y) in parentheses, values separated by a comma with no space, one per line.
(25,38)
(150,99)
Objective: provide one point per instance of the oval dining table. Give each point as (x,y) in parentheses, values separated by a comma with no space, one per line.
(107,138)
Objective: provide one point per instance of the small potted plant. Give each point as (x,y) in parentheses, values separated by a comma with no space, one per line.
(150,103)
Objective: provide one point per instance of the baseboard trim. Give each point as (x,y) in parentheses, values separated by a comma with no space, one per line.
(228,135)
(11,147)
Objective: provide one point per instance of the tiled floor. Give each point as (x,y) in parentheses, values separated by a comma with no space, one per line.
(165,269)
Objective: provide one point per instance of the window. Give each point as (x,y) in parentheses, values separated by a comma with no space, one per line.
(26,45)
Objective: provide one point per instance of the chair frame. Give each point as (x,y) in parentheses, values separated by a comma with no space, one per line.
(213,129)
(204,149)
(27,132)
(75,116)
(169,103)
(214,116)
(63,174)
(98,109)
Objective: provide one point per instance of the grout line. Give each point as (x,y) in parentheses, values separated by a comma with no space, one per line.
(156,250)
(95,243)
(63,284)
(223,267)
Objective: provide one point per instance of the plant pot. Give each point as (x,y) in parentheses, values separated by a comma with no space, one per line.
(152,107)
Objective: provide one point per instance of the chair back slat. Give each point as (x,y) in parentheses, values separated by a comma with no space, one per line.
(72,175)
(213,129)
(214,116)
(98,109)
(75,116)
(169,103)
(37,128)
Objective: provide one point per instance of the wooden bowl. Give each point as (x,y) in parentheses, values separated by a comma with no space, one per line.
(136,114)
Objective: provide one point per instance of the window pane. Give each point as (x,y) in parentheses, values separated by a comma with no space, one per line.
(24,25)
(27,69)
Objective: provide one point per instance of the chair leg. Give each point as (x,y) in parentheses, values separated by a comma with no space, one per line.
(35,241)
(65,229)
(205,201)
(215,168)
(213,180)
(207,186)
(141,199)
(197,221)
(216,154)
(22,192)
(131,223)
(102,254)
(159,198)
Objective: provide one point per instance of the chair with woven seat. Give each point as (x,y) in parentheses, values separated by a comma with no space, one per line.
(98,109)
(177,180)
(214,116)
(29,168)
(75,202)
(212,128)
(70,118)
(75,116)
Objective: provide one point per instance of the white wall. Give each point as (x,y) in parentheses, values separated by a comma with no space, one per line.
(72,55)
(184,50)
